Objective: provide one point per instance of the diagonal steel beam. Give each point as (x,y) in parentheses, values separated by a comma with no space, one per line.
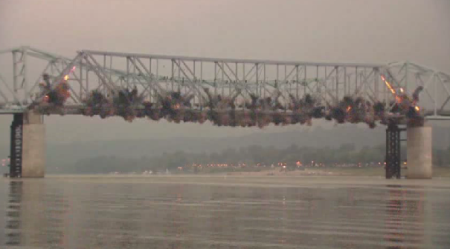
(151,83)
(99,72)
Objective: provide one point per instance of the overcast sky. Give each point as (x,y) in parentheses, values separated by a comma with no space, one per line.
(317,30)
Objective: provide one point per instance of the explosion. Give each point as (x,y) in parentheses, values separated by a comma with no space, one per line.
(226,111)
(405,105)
(55,97)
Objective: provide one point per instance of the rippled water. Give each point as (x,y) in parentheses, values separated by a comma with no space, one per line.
(224,212)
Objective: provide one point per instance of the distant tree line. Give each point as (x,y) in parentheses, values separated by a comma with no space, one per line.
(252,155)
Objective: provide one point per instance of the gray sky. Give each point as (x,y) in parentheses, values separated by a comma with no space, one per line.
(320,30)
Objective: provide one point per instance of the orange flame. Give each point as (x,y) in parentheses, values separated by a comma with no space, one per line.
(71,71)
(349,108)
(417,108)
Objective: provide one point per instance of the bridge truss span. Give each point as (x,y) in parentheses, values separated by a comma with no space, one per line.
(201,79)
(327,81)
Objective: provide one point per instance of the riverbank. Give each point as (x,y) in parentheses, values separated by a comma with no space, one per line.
(372,171)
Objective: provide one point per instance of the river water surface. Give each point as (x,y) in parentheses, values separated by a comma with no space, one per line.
(224,212)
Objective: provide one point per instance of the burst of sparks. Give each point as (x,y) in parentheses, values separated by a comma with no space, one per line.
(389,85)
(71,71)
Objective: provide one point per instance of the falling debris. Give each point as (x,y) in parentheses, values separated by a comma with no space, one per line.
(56,96)
(406,106)
(251,110)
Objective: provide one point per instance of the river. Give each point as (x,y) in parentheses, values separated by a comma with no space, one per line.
(224,212)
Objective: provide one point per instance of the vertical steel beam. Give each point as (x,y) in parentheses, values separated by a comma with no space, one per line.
(337,81)
(25,75)
(305,76)
(345,81)
(80,67)
(258,92)
(15,72)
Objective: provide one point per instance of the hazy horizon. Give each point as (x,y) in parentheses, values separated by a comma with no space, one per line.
(325,31)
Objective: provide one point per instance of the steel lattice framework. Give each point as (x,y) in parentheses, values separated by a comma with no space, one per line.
(156,75)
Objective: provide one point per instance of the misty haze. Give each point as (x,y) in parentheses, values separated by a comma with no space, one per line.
(224,124)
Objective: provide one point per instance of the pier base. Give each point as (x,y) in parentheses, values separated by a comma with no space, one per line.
(419,150)
(27,146)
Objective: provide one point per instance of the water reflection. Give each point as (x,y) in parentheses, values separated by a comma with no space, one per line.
(13,213)
(394,210)
(33,218)
(145,213)
(405,219)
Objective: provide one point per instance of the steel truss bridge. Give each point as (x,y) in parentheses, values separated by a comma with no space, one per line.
(156,75)
(291,91)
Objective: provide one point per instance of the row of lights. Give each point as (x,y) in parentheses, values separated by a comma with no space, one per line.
(5,162)
(280,164)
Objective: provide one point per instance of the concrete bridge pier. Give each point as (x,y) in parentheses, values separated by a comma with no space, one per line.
(419,152)
(27,146)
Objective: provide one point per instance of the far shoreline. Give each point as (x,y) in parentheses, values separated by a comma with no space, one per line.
(438,172)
